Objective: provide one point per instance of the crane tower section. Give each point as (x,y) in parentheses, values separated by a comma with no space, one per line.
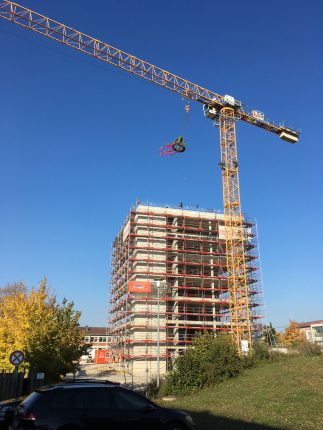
(240,316)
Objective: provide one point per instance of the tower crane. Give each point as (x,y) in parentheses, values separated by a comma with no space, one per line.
(224,110)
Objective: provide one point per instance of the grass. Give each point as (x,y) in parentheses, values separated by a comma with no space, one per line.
(286,394)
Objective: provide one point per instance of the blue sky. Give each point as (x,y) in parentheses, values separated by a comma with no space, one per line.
(80,140)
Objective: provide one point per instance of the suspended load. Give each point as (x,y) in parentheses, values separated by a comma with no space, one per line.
(178,145)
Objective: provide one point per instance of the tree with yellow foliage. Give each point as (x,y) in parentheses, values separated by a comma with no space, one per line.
(45,330)
(13,321)
(292,334)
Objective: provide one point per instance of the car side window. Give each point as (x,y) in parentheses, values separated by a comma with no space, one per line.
(61,399)
(82,398)
(128,400)
(93,398)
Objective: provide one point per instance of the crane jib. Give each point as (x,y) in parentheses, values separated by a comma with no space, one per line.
(55,30)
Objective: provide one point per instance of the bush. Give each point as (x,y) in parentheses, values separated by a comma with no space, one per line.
(189,371)
(308,348)
(260,354)
(152,389)
(223,360)
(209,360)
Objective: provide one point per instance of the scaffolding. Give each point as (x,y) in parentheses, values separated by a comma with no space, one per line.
(182,250)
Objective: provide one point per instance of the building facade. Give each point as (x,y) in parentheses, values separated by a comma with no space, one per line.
(313,331)
(98,341)
(169,282)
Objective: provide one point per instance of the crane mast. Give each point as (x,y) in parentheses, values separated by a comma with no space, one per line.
(225,110)
(240,315)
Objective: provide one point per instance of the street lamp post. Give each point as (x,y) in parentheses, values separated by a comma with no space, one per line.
(158,333)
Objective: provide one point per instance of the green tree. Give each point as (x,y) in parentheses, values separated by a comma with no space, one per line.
(269,335)
(47,331)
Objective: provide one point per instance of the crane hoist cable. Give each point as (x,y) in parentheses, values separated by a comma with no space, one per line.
(178,145)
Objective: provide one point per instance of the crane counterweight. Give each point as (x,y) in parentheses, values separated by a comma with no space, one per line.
(289,137)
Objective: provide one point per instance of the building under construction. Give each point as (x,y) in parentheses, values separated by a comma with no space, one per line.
(169,282)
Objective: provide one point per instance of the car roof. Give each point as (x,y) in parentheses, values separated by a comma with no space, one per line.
(78,384)
(88,380)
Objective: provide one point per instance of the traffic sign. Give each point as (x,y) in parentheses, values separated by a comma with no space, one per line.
(17,357)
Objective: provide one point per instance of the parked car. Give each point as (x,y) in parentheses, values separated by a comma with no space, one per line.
(7,408)
(95,406)
(85,358)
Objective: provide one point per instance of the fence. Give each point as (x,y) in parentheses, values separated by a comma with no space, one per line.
(18,384)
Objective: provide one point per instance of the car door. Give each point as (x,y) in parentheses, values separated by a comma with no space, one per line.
(57,409)
(135,411)
(97,408)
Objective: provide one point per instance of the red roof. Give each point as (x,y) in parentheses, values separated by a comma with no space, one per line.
(309,323)
(94,331)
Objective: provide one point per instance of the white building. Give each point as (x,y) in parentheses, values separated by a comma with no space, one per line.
(313,331)
(169,282)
